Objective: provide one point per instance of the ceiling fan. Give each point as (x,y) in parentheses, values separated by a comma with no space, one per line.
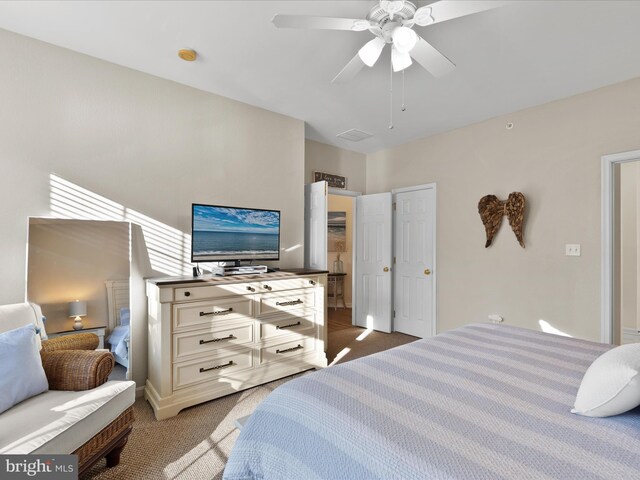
(392,22)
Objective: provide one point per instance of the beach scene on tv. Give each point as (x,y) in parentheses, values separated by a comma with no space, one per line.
(222,233)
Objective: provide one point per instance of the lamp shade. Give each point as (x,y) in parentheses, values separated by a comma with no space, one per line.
(400,60)
(77,309)
(404,39)
(371,51)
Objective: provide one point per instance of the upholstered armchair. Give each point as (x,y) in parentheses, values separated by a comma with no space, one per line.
(82,413)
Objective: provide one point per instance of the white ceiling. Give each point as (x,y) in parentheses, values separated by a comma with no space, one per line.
(517,56)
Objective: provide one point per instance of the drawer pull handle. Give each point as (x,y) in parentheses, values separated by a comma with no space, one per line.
(219,312)
(217,367)
(292,349)
(278,327)
(230,337)
(312,282)
(187,294)
(292,302)
(251,289)
(267,287)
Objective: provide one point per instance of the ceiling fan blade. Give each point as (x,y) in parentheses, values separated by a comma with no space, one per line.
(449,9)
(350,70)
(431,59)
(400,60)
(319,23)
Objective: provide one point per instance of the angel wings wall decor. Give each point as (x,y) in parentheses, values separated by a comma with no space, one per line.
(491,211)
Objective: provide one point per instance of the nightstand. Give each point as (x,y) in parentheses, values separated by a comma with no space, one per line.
(99,331)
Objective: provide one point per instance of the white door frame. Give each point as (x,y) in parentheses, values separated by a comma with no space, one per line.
(349,193)
(434,268)
(608,239)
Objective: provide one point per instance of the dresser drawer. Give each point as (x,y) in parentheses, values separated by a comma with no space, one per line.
(214,311)
(215,291)
(210,340)
(289,349)
(203,370)
(286,284)
(286,325)
(286,301)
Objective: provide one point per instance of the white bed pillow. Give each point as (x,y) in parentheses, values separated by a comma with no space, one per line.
(611,384)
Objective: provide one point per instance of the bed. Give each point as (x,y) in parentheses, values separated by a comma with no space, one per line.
(484,401)
(119,316)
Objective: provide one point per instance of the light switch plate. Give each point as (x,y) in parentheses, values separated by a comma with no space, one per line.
(572,249)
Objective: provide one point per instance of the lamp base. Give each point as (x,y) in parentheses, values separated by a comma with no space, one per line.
(77,324)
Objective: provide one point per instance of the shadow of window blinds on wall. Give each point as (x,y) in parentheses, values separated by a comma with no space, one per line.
(169,249)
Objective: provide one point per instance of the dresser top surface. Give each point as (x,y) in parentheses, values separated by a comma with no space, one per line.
(210,279)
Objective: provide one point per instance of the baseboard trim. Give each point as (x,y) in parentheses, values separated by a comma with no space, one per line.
(140,392)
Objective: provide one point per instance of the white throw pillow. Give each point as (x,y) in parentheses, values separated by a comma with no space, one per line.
(611,384)
(21,372)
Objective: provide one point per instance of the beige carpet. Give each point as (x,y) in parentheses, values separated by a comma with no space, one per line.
(196,443)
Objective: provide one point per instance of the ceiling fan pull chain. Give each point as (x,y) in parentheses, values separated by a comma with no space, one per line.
(404,107)
(390,95)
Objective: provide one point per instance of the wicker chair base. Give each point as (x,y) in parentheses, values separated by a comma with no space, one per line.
(108,443)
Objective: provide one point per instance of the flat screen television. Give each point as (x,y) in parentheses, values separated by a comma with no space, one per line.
(225,234)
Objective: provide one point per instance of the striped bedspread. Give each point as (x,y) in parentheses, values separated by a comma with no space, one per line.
(481,402)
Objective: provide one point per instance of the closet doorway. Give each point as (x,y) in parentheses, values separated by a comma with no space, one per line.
(382,288)
(340,250)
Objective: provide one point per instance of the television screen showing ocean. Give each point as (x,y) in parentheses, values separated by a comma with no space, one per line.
(234,244)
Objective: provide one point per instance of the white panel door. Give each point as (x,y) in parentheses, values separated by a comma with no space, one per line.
(373,262)
(414,262)
(315,225)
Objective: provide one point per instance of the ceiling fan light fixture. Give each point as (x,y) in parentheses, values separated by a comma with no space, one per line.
(400,60)
(371,51)
(404,39)
(361,25)
(423,16)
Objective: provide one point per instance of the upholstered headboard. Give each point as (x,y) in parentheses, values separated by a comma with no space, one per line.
(117,297)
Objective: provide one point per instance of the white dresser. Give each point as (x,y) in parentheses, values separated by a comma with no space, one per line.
(212,336)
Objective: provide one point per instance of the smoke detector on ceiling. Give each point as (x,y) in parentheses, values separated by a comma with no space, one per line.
(354,135)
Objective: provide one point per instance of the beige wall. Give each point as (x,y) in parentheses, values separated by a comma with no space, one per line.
(70,260)
(148,147)
(338,203)
(329,159)
(552,155)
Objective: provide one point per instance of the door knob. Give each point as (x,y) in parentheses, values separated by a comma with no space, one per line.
(427,272)
(386,269)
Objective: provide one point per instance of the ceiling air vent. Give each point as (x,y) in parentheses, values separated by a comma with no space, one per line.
(354,135)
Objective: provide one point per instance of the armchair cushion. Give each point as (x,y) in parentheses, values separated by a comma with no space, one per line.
(61,422)
(21,372)
(77,369)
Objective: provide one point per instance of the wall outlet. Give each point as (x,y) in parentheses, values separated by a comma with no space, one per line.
(572,249)
(495,318)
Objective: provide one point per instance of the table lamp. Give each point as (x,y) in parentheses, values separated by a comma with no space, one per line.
(77,309)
